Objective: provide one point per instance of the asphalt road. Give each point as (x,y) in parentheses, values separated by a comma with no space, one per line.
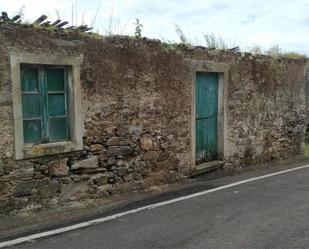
(265,214)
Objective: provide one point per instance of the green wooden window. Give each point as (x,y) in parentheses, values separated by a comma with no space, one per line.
(44,103)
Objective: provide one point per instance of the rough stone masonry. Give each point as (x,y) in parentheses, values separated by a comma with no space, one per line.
(137,116)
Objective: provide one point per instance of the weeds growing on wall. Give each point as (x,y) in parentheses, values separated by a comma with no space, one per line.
(293,55)
(307,149)
(21,12)
(209,39)
(181,35)
(276,52)
(213,41)
(138,28)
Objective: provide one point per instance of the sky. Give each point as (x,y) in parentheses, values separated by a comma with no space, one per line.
(244,23)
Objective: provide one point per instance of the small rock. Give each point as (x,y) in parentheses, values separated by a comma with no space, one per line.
(89,163)
(25,173)
(113,168)
(172,176)
(43,182)
(113,141)
(156,147)
(76,178)
(74,191)
(120,163)
(236,163)
(129,178)
(101,179)
(146,143)
(163,146)
(105,190)
(1,168)
(163,164)
(24,188)
(123,150)
(92,190)
(121,132)
(111,161)
(228,165)
(43,167)
(50,190)
(59,168)
(53,202)
(121,171)
(135,131)
(84,153)
(4,203)
(111,180)
(84,177)
(96,147)
(170,137)
(65,180)
(8,154)
(86,148)
(4,188)
(34,191)
(151,156)
(110,130)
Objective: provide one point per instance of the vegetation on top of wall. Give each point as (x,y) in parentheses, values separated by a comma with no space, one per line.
(138,28)
(210,40)
(277,52)
(293,55)
(213,41)
(181,35)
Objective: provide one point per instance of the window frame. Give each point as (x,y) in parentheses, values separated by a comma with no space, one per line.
(75,142)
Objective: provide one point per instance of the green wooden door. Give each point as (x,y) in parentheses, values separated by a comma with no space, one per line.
(206,117)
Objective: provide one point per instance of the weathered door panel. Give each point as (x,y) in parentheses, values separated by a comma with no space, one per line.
(57,104)
(31,105)
(206,117)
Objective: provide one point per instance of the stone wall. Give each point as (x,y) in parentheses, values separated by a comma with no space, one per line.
(136,102)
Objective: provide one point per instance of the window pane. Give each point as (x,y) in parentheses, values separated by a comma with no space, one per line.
(29,80)
(32,131)
(56,105)
(58,129)
(31,105)
(55,79)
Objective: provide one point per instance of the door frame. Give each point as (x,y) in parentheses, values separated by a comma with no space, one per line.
(222,70)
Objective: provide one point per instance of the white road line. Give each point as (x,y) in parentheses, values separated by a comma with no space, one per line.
(160,204)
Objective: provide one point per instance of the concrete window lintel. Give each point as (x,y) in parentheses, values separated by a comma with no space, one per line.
(222,70)
(22,150)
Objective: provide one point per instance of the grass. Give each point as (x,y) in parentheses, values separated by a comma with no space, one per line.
(214,41)
(209,40)
(307,149)
(294,55)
